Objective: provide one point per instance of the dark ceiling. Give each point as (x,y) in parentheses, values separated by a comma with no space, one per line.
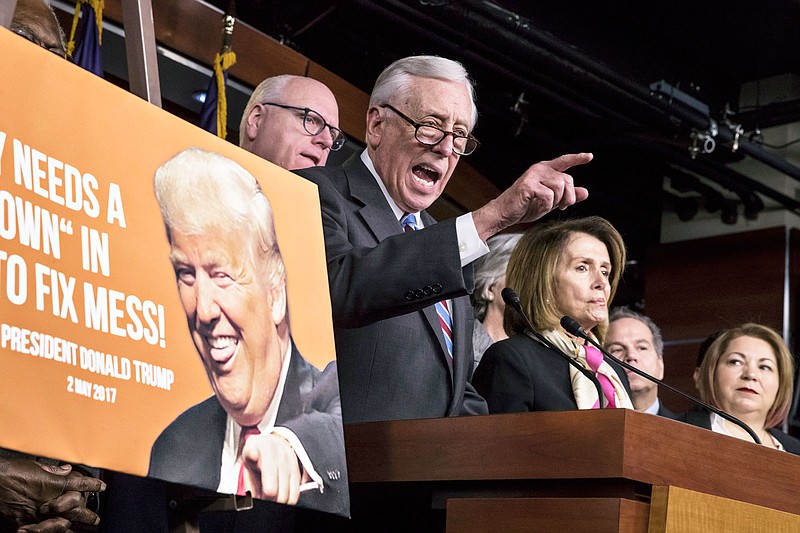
(557,77)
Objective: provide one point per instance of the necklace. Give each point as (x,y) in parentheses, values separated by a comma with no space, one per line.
(735,431)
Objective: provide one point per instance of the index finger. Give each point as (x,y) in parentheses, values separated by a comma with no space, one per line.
(84,484)
(566,161)
(51,525)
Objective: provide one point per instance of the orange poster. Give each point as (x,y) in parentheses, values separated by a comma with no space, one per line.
(115,330)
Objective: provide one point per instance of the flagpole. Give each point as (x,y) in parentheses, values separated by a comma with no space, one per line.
(225,60)
(214,113)
(140,45)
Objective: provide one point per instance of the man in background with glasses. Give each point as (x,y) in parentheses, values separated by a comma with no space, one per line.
(399,281)
(291,121)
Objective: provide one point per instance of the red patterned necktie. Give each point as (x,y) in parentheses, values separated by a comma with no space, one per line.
(594,358)
(247,432)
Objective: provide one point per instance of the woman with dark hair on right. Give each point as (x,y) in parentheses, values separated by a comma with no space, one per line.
(748,372)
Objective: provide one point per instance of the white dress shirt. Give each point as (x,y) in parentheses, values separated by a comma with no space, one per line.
(654,407)
(232,463)
(470,245)
(718,426)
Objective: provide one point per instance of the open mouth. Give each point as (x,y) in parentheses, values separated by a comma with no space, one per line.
(745,389)
(221,348)
(425,175)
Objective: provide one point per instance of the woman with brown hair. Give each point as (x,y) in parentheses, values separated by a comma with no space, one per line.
(748,372)
(562,268)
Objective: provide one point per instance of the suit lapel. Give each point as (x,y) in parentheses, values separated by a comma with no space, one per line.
(462,338)
(381,221)
(212,441)
(291,405)
(376,213)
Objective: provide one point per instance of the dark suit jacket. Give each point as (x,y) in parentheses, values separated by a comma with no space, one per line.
(390,349)
(189,450)
(702,418)
(520,374)
(663,411)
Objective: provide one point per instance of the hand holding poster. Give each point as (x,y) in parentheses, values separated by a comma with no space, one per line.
(100,349)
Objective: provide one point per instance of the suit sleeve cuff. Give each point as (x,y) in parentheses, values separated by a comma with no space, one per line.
(302,456)
(470,246)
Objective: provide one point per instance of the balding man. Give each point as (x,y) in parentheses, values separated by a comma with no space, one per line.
(291,121)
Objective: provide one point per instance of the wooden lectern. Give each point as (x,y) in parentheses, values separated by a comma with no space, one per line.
(587,471)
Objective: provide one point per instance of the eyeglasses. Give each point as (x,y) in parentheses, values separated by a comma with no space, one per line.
(431,135)
(314,124)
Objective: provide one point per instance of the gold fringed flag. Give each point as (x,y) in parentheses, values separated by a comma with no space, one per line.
(214,113)
(87,23)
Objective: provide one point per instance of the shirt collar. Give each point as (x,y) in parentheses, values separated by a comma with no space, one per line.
(654,407)
(268,422)
(398,213)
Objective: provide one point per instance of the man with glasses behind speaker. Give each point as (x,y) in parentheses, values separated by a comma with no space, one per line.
(398,280)
(291,121)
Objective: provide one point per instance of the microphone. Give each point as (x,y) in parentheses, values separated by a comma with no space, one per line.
(573,328)
(511,298)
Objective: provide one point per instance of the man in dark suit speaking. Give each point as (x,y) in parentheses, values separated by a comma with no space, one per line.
(398,281)
(273,426)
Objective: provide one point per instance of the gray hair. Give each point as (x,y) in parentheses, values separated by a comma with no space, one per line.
(490,267)
(269,89)
(624,312)
(200,192)
(396,78)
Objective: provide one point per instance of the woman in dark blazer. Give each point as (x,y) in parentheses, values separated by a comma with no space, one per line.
(562,268)
(748,372)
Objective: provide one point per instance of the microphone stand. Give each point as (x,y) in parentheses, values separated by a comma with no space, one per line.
(511,298)
(571,326)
